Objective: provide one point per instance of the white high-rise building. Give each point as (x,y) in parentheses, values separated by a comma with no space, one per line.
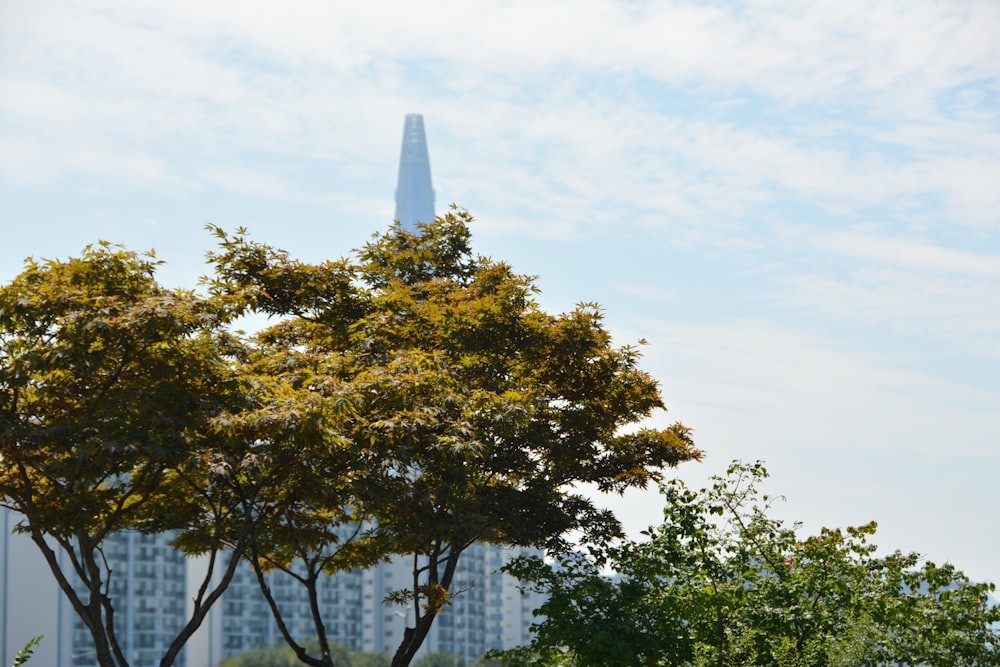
(488,610)
(242,620)
(31,603)
(148,588)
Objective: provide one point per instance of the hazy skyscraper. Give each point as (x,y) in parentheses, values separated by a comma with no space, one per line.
(414,194)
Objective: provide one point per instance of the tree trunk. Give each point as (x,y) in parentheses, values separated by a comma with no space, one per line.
(413,638)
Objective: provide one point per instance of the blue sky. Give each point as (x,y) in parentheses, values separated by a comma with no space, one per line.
(796,204)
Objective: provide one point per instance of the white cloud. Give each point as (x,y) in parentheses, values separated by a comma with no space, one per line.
(247,181)
(743,368)
(32,162)
(951,311)
(917,255)
(917,289)
(21,161)
(647,292)
(317,80)
(848,436)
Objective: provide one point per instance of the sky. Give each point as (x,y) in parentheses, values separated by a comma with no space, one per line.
(797,205)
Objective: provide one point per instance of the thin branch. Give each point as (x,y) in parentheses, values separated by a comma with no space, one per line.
(299,650)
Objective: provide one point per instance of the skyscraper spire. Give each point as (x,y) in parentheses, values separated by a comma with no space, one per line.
(414,194)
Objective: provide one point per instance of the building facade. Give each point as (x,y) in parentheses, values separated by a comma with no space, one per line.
(489,611)
(149,589)
(31,603)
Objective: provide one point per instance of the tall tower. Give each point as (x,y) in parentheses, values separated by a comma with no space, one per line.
(414,194)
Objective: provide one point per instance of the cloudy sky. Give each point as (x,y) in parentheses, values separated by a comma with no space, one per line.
(796,204)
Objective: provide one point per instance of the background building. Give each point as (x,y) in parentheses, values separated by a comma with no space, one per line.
(149,589)
(414,192)
(489,611)
(31,603)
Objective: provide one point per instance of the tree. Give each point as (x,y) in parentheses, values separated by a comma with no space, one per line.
(370,659)
(283,656)
(473,413)
(436,660)
(112,389)
(722,583)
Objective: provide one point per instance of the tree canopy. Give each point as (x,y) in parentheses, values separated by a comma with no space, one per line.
(283,656)
(112,388)
(436,660)
(406,401)
(721,582)
(467,412)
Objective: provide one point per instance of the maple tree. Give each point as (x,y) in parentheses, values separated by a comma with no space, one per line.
(110,390)
(407,402)
(456,410)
